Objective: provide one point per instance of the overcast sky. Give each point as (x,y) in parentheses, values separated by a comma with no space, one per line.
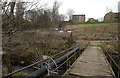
(91,8)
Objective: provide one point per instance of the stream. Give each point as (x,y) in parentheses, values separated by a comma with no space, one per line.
(16,67)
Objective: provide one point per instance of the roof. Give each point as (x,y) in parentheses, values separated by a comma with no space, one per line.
(91,18)
(79,15)
(116,13)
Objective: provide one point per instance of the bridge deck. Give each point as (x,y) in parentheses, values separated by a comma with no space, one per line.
(91,62)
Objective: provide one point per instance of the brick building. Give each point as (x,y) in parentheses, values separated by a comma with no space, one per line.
(92,20)
(111,17)
(78,18)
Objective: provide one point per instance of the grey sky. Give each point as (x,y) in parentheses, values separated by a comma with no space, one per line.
(91,8)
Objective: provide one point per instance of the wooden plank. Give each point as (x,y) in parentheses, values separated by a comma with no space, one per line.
(91,63)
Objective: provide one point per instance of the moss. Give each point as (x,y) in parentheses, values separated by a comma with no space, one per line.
(67,72)
(20,74)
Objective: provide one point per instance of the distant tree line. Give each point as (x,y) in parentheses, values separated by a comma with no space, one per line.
(17,16)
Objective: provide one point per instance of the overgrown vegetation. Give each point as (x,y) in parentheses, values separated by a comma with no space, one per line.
(95,32)
(107,33)
(111,47)
(26,29)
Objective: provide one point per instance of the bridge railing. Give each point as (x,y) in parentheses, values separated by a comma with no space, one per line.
(114,64)
(73,56)
(53,56)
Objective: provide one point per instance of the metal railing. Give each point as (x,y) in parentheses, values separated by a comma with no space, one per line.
(10,74)
(42,71)
(113,64)
(64,63)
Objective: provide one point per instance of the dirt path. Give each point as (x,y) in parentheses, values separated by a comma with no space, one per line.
(91,63)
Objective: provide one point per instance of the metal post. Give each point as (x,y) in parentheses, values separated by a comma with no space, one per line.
(68,64)
(118,74)
(111,63)
(75,57)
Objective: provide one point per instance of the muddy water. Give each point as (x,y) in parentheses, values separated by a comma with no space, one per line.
(14,68)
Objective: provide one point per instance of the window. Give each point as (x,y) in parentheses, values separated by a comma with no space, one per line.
(76,17)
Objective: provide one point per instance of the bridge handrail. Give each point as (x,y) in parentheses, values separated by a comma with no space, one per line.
(118,68)
(65,61)
(9,74)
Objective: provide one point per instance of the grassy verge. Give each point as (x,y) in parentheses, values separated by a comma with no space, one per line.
(77,23)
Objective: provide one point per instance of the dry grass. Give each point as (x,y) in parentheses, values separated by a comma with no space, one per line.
(95,31)
(111,47)
(26,43)
(100,32)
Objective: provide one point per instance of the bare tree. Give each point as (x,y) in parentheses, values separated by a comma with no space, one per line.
(48,18)
(16,17)
(8,52)
(55,13)
(70,14)
(32,15)
(62,18)
(12,22)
